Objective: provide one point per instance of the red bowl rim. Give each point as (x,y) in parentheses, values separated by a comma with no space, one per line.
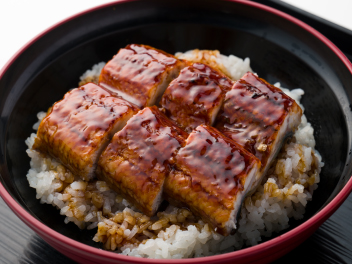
(314,221)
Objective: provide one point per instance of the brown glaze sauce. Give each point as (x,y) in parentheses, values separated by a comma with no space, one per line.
(215,163)
(135,70)
(192,97)
(85,114)
(153,137)
(139,157)
(252,114)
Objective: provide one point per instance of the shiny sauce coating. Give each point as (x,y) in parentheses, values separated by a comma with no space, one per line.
(195,96)
(215,163)
(77,125)
(253,113)
(152,137)
(135,72)
(139,157)
(210,172)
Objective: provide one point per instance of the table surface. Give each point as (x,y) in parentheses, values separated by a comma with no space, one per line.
(331,243)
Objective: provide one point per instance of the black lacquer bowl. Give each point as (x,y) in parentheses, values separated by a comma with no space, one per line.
(280,47)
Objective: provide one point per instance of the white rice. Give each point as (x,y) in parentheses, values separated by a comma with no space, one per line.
(284,193)
(92,75)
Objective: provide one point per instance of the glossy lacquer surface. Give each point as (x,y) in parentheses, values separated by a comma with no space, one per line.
(210,174)
(136,71)
(253,114)
(195,96)
(139,157)
(281,49)
(80,125)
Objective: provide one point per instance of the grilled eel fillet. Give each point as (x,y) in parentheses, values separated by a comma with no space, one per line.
(80,126)
(211,176)
(258,116)
(140,74)
(139,157)
(195,96)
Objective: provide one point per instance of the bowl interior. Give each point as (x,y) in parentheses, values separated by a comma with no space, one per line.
(279,50)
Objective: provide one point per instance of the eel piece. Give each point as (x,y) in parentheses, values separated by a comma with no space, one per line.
(195,96)
(140,73)
(258,116)
(211,176)
(80,126)
(139,157)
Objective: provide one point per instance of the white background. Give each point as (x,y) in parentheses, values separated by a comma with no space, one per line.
(22,20)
